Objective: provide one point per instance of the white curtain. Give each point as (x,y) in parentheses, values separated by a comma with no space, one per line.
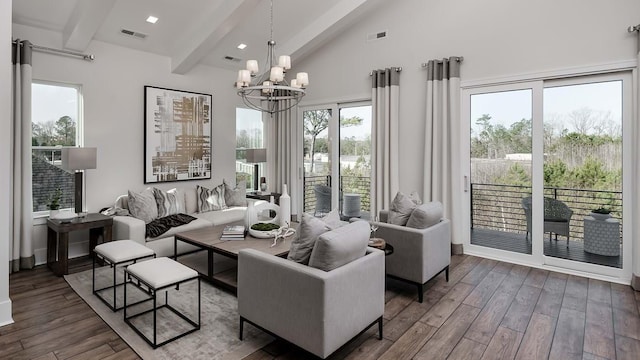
(635,280)
(442,127)
(280,144)
(385,98)
(20,246)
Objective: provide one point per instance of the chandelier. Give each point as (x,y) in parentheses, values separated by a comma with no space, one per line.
(270,92)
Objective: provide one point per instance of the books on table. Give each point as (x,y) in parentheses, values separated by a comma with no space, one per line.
(233,232)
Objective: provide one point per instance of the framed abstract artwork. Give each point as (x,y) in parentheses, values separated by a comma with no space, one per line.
(177,135)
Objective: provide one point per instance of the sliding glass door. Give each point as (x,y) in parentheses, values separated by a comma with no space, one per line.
(336,143)
(543,157)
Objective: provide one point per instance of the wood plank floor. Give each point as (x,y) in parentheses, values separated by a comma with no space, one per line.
(488,310)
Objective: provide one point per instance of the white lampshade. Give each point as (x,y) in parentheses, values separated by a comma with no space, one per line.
(294,83)
(277,74)
(252,66)
(267,91)
(77,158)
(244,76)
(256,155)
(284,61)
(302,79)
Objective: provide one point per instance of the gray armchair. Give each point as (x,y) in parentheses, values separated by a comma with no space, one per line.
(314,309)
(557,217)
(419,254)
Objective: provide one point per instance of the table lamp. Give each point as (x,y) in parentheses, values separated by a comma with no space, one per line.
(77,159)
(256,156)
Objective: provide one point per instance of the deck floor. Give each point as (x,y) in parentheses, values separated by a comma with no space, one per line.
(516,242)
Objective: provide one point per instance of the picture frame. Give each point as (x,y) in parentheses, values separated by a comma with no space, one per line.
(177,135)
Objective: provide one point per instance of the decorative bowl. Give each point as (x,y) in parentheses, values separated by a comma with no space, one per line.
(65,216)
(261,234)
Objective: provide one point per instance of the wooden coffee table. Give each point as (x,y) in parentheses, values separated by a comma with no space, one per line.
(209,239)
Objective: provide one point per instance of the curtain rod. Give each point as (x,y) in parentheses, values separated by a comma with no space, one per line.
(396,69)
(457,58)
(88,57)
(633,28)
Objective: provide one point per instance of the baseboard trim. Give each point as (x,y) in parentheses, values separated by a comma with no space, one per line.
(5,313)
(635,282)
(456,249)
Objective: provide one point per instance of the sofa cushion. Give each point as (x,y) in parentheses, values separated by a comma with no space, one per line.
(401,209)
(340,246)
(143,205)
(169,202)
(425,215)
(210,199)
(224,216)
(308,231)
(235,196)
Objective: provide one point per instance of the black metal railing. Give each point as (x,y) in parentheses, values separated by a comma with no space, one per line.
(348,184)
(499,207)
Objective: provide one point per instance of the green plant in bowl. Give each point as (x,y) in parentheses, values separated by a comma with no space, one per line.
(602,210)
(265,226)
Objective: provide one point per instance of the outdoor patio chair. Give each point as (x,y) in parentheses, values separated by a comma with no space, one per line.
(323,199)
(557,217)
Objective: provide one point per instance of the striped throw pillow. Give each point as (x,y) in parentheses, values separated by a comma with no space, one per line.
(210,199)
(168,202)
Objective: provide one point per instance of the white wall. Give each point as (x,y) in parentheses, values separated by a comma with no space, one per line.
(497,38)
(5,168)
(113,93)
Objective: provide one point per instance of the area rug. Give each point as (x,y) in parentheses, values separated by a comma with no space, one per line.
(218,334)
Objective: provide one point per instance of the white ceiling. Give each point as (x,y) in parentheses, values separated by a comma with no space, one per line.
(196,31)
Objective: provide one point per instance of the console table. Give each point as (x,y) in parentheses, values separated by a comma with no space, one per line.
(58,238)
(602,237)
(265,196)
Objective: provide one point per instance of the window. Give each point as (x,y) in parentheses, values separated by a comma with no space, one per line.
(55,113)
(249,135)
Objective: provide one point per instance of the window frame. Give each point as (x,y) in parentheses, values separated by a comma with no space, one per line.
(79,141)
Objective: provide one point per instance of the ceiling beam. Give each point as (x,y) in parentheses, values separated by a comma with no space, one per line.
(325,27)
(84,22)
(225,17)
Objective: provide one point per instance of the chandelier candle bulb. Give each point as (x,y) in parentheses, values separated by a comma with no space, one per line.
(284,61)
(252,66)
(302,79)
(277,74)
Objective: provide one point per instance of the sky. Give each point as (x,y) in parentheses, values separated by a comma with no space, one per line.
(51,102)
(511,106)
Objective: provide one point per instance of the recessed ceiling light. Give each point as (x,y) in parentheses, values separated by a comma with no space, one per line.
(242,46)
(152,19)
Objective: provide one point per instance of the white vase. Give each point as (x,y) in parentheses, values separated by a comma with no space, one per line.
(250,216)
(599,216)
(53,214)
(285,207)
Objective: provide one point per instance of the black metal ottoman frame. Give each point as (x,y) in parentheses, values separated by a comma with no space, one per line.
(153,294)
(96,292)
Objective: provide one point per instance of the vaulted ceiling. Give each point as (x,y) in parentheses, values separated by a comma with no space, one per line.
(193,32)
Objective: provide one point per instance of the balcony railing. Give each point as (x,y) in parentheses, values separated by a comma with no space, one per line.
(499,207)
(348,184)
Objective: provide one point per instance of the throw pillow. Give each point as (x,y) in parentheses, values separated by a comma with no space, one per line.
(426,215)
(401,209)
(210,199)
(333,219)
(308,231)
(143,205)
(169,202)
(340,246)
(235,196)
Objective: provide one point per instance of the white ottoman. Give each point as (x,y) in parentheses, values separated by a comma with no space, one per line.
(116,253)
(154,276)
